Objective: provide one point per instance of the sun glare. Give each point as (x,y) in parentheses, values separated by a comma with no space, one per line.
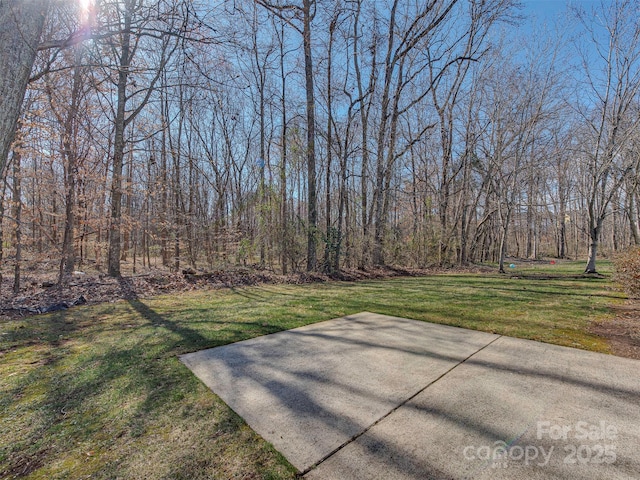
(84,9)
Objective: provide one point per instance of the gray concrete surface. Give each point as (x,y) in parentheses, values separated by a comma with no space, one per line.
(370,396)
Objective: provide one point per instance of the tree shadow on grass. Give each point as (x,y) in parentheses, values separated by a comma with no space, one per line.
(99,392)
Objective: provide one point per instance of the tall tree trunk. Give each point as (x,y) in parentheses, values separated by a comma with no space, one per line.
(178,226)
(176,155)
(115,227)
(191,212)
(67,263)
(262,195)
(595,227)
(632,213)
(615,222)
(283,161)
(17,214)
(463,256)
(529,253)
(593,252)
(379,193)
(312,202)
(503,241)
(21,23)
(364,130)
(166,45)
(330,240)
(342,200)
(2,194)
(562,251)
(128,212)
(444,193)
(164,187)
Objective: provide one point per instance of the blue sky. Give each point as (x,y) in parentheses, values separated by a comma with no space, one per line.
(551,9)
(550,18)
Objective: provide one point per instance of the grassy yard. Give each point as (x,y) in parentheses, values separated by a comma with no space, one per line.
(99,391)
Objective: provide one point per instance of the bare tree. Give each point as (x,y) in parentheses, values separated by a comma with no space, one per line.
(68,115)
(448,70)
(137,29)
(427,134)
(612,86)
(17,214)
(300,17)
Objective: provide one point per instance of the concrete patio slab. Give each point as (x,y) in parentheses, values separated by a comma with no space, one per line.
(515,410)
(369,396)
(311,389)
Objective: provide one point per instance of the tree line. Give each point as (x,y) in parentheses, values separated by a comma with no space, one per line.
(314,134)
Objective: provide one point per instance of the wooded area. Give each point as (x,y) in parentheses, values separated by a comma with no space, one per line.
(315,135)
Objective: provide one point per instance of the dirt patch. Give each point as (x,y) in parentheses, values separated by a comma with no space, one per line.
(23,464)
(623,331)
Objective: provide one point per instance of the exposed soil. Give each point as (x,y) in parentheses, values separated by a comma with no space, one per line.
(623,331)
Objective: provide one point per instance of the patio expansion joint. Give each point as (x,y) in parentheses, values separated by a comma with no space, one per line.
(400,405)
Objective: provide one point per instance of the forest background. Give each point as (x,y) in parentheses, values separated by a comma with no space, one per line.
(316,135)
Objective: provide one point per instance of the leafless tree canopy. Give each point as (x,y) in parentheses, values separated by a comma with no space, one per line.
(314,134)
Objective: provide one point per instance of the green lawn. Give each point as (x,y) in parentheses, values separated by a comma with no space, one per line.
(98,390)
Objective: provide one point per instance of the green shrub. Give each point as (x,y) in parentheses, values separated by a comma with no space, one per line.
(627,271)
